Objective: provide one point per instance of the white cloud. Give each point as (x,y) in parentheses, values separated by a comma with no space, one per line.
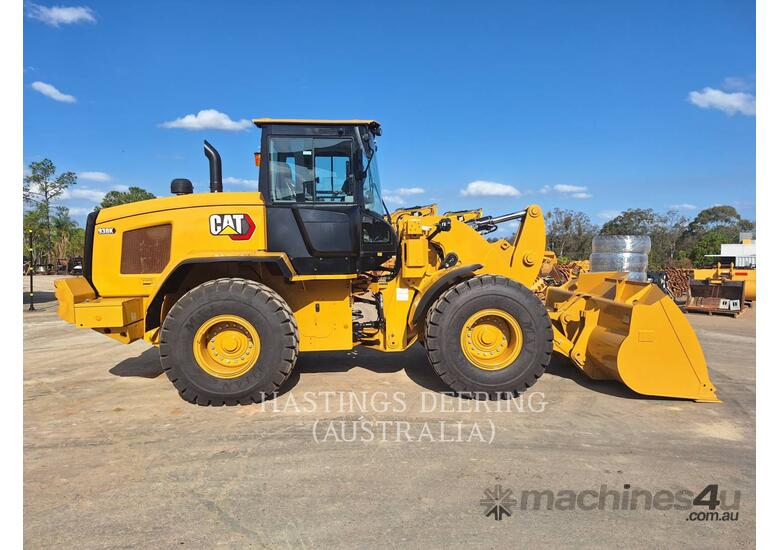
(682,206)
(729,103)
(94,195)
(481,188)
(230,180)
(94,176)
(608,214)
(392,199)
(79,210)
(208,119)
(739,84)
(571,191)
(123,188)
(50,91)
(400,196)
(563,188)
(61,15)
(544,190)
(410,191)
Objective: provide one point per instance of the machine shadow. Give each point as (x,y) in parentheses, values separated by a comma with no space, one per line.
(146,365)
(413,362)
(39,298)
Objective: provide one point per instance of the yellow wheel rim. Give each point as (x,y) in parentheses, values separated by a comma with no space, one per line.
(491,339)
(226,346)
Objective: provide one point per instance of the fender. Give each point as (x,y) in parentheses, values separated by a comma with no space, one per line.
(153,310)
(442,283)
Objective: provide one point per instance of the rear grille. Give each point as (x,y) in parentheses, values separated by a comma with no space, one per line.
(146,250)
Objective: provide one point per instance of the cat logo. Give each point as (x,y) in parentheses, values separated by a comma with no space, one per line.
(238,227)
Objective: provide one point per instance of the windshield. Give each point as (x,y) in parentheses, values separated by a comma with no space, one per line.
(372,191)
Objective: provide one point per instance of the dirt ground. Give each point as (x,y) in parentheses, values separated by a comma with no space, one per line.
(114,458)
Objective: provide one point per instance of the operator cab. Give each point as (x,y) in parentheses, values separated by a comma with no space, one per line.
(324,207)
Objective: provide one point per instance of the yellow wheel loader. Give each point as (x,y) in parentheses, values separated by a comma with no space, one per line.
(233,286)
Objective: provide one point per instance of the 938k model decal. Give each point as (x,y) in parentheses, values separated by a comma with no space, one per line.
(238,227)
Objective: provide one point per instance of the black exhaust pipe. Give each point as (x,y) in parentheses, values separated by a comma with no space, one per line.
(215,167)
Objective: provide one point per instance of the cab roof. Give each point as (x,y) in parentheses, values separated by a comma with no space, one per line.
(260,122)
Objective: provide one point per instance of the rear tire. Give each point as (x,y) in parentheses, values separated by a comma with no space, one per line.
(255,370)
(509,309)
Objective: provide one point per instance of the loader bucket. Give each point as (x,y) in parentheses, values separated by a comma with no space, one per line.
(615,329)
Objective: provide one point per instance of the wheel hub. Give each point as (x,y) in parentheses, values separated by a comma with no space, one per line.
(226,346)
(491,339)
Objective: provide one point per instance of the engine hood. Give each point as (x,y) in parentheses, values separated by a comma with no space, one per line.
(251,198)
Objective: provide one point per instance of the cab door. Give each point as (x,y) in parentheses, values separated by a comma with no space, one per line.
(313,214)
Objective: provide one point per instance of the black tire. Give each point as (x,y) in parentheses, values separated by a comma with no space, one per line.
(451,311)
(263,308)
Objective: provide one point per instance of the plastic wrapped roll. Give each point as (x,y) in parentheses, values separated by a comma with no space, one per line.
(640,276)
(621,243)
(618,261)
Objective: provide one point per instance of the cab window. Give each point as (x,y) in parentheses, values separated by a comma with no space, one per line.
(311,170)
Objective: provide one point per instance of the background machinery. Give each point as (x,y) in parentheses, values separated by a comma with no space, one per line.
(233,286)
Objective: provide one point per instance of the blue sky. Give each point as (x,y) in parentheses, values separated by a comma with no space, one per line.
(594,106)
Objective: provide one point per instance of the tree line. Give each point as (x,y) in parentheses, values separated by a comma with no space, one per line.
(676,240)
(55,233)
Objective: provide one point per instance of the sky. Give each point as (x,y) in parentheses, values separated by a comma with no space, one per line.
(591,106)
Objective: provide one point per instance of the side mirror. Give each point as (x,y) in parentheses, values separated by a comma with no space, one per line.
(181,186)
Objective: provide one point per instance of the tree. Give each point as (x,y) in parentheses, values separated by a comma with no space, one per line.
(569,233)
(34,222)
(674,227)
(634,221)
(63,231)
(709,229)
(76,245)
(133,194)
(41,187)
(66,236)
(709,243)
(664,231)
(714,217)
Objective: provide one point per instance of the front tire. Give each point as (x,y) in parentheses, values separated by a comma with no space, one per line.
(229,341)
(488,337)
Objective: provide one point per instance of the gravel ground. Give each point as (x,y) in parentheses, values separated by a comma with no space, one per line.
(114,458)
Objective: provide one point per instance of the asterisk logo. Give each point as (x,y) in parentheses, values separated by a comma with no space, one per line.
(498,502)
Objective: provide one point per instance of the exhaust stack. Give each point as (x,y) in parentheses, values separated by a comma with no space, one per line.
(215,167)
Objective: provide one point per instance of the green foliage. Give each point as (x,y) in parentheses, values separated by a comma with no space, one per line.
(709,243)
(40,188)
(569,233)
(634,221)
(677,241)
(66,237)
(34,221)
(720,216)
(133,194)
